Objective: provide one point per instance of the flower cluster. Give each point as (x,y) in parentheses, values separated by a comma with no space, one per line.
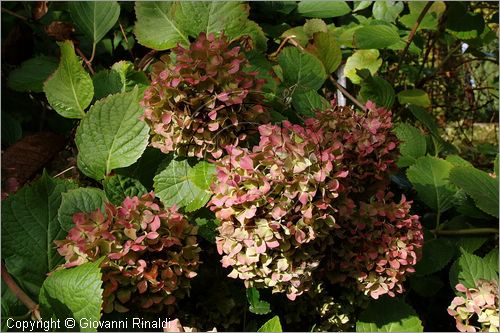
(149,251)
(376,245)
(316,192)
(204,101)
(273,202)
(479,304)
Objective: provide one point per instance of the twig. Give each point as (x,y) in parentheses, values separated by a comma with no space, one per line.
(93,53)
(143,63)
(87,63)
(20,294)
(64,171)
(411,36)
(347,94)
(283,43)
(10,12)
(459,232)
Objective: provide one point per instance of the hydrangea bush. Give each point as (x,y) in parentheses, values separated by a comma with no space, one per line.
(204,100)
(150,253)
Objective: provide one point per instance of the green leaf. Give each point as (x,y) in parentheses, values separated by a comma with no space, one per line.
(183,185)
(414,96)
(469,268)
(436,254)
(256,305)
(429,175)
(118,187)
(412,144)
(130,77)
(272,325)
(389,315)
(457,161)
(495,168)
(426,286)
(325,47)
(307,102)
(430,20)
(323,9)
(479,185)
(29,227)
(361,59)
(301,71)
(79,200)
(375,36)
(32,74)
(461,23)
(360,5)
(145,168)
(11,129)
(73,292)
(375,89)
(313,26)
(206,228)
(491,259)
(107,82)
(387,10)
(69,90)
(94,18)
(111,135)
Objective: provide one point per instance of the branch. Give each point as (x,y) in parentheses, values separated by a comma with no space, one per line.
(87,63)
(10,12)
(347,94)
(471,231)
(20,294)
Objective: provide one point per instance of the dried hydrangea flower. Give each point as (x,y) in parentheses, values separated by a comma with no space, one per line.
(150,253)
(478,305)
(204,101)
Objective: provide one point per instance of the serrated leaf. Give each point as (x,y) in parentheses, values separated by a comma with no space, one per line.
(323,9)
(118,187)
(32,74)
(256,305)
(301,71)
(111,135)
(463,24)
(107,82)
(387,10)
(429,175)
(457,161)
(79,200)
(375,36)
(479,185)
(185,186)
(469,268)
(206,228)
(272,325)
(491,259)
(325,47)
(412,144)
(361,59)
(73,292)
(430,20)
(94,18)
(307,102)
(436,254)
(376,89)
(69,90)
(29,227)
(130,77)
(414,96)
(426,286)
(397,317)
(313,26)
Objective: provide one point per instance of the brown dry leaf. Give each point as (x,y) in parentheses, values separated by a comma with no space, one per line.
(24,158)
(40,8)
(60,30)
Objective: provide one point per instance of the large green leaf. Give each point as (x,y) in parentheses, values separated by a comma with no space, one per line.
(307,102)
(257,306)
(185,186)
(361,59)
(272,325)
(387,10)
(469,268)
(29,227)
(429,175)
(161,25)
(491,259)
(436,254)
(32,74)
(430,20)
(479,185)
(118,187)
(375,36)
(69,90)
(389,315)
(375,89)
(414,96)
(79,200)
(325,47)
(94,18)
(323,9)
(74,293)
(301,71)
(107,82)
(412,144)
(462,23)
(111,135)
